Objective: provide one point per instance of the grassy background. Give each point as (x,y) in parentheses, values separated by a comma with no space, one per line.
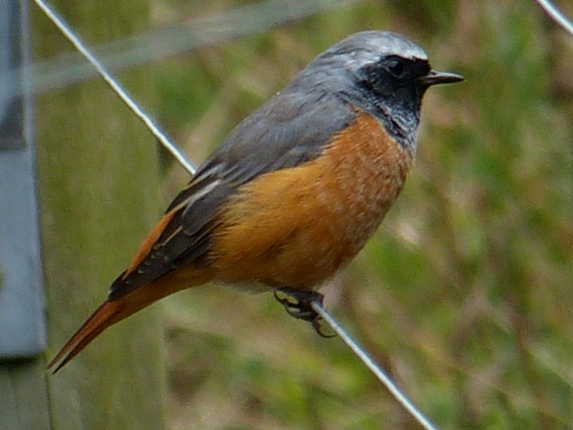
(464,294)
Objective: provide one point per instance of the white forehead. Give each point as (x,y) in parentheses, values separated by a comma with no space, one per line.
(368,46)
(388,43)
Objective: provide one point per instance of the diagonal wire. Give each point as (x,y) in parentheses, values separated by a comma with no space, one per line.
(556,15)
(132,51)
(115,86)
(374,368)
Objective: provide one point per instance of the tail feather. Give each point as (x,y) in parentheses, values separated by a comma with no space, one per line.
(103,317)
(113,311)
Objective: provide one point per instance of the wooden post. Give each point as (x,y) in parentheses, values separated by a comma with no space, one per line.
(97,176)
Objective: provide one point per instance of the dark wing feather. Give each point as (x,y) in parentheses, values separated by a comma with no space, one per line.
(288,131)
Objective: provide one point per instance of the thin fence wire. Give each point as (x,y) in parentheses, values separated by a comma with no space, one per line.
(382,376)
(154,45)
(556,15)
(115,86)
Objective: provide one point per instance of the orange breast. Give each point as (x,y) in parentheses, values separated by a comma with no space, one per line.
(297,227)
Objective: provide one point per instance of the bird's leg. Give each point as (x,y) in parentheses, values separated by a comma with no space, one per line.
(298,304)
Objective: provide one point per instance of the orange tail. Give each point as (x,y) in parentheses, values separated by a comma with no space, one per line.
(111,312)
(103,317)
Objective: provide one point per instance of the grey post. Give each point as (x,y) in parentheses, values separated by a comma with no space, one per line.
(22,323)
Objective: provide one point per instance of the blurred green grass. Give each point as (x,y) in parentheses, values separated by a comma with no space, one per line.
(464,294)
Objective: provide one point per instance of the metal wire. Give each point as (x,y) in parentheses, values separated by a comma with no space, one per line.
(374,368)
(132,51)
(557,15)
(115,86)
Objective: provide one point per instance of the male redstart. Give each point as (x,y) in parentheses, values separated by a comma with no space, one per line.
(296,189)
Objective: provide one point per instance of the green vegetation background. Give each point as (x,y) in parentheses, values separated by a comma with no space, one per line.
(465,294)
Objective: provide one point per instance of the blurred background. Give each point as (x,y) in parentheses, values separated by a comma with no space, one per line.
(465,294)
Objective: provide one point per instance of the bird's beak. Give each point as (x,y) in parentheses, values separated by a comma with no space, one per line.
(435,78)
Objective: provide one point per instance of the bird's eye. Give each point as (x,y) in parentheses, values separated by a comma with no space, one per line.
(396,67)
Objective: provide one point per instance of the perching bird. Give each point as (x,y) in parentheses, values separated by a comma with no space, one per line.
(296,189)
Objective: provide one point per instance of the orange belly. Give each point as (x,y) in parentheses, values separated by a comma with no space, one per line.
(297,227)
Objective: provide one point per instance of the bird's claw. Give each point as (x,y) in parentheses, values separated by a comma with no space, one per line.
(298,304)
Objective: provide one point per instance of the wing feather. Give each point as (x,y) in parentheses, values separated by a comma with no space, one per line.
(288,131)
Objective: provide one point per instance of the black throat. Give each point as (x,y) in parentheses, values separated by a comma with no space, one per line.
(398,111)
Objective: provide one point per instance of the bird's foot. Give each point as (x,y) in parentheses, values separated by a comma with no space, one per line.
(298,304)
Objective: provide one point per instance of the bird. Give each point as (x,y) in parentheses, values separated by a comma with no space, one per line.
(294,192)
